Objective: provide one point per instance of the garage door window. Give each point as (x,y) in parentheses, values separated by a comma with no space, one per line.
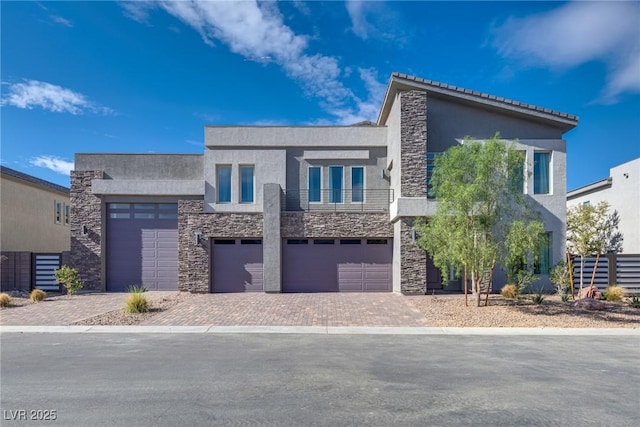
(350,241)
(251,242)
(224,242)
(376,241)
(324,242)
(297,242)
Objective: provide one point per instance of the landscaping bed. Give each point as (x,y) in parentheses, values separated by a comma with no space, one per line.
(448,310)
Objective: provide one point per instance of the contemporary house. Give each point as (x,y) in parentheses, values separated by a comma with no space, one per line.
(301,209)
(622,191)
(34,229)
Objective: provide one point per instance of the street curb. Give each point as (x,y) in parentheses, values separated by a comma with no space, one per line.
(326,330)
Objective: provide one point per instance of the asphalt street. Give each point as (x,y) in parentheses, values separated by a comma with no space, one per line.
(318,380)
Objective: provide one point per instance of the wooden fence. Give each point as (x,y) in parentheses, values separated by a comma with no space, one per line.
(613,269)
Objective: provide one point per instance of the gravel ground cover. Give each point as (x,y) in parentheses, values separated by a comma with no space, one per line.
(450,311)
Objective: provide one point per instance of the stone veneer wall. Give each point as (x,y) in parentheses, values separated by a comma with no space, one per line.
(413,144)
(413,276)
(86,209)
(337,224)
(193,261)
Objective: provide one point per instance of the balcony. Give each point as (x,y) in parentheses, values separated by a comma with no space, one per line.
(294,200)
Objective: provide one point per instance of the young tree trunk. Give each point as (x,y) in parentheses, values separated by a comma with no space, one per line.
(581,272)
(476,286)
(593,276)
(486,299)
(570,272)
(466,302)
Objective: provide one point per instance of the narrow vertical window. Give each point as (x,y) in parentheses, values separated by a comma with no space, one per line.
(543,263)
(335,184)
(541,172)
(58,212)
(357,184)
(224,183)
(516,180)
(67,213)
(315,179)
(431,166)
(246,184)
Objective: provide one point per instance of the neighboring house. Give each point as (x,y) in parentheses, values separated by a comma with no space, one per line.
(622,190)
(301,209)
(34,223)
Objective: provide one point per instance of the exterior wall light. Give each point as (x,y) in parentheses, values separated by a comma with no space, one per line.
(197,237)
(84,230)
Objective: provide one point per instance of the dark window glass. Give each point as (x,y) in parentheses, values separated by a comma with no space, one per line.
(251,241)
(350,241)
(315,179)
(376,241)
(357,184)
(224,241)
(297,242)
(323,241)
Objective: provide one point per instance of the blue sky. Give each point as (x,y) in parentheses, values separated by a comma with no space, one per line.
(148,76)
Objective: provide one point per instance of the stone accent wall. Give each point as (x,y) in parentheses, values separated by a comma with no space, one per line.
(193,261)
(86,209)
(413,259)
(413,144)
(337,224)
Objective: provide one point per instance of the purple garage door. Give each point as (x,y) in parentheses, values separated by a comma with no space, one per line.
(337,265)
(142,246)
(236,265)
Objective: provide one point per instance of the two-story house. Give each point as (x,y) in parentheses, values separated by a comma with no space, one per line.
(302,208)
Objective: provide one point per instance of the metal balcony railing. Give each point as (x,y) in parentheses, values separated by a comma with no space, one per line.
(337,200)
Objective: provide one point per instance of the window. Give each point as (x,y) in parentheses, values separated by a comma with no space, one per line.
(224,183)
(323,241)
(357,184)
(251,241)
(587,203)
(541,171)
(431,159)
(315,179)
(542,264)
(224,241)
(516,181)
(58,212)
(335,184)
(246,184)
(376,241)
(297,242)
(67,213)
(350,242)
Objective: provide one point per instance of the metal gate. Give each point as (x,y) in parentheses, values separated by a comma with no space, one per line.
(44,266)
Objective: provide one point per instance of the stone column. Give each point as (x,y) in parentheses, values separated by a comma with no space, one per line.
(86,210)
(193,260)
(413,144)
(272,240)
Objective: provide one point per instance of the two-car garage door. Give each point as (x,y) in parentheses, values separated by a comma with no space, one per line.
(142,246)
(337,265)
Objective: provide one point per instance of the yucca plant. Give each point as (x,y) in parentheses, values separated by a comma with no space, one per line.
(634,301)
(537,298)
(37,295)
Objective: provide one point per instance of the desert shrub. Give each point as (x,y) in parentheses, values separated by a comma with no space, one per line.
(634,301)
(565,296)
(136,303)
(5,300)
(69,278)
(136,289)
(614,293)
(509,291)
(559,276)
(537,298)
(37,295)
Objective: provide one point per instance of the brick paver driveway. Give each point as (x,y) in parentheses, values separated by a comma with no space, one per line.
(319,309)
(65,310)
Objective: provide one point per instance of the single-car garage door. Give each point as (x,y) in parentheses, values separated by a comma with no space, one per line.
(142,246)
(236,265)
(337,265)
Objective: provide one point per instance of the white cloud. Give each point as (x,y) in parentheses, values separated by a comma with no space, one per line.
(257,32)
(62,21)
(34,93)
(577,33)
(54,163)
(358,15)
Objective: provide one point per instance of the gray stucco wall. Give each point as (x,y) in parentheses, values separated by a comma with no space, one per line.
(147,166)
(449,120)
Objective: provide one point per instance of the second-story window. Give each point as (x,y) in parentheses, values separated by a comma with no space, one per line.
(67,212)
(431,159)
(224,183)
(357,184)
(58,211)
(315,183)
(336,175)
(541,172)
(246,184)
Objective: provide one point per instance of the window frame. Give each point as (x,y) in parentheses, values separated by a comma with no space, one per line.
(309,190)
(549,182)
(331,189)
(548,249)
(57,211)
(66,213)
(253,183)
(353,189)
(219,168)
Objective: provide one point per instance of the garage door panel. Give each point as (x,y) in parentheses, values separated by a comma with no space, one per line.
(237,267)
(353,267)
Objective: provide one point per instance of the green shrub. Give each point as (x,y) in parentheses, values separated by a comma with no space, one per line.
(559,276)
(5,300)
(69,278)
(634,301)
(37,295)
(614,293)
(136,303)
(538,297)
(136,289)
(565,296)
(509,291)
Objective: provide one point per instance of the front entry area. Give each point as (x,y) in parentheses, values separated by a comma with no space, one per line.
(337,265)
(142,246)
(236,265)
